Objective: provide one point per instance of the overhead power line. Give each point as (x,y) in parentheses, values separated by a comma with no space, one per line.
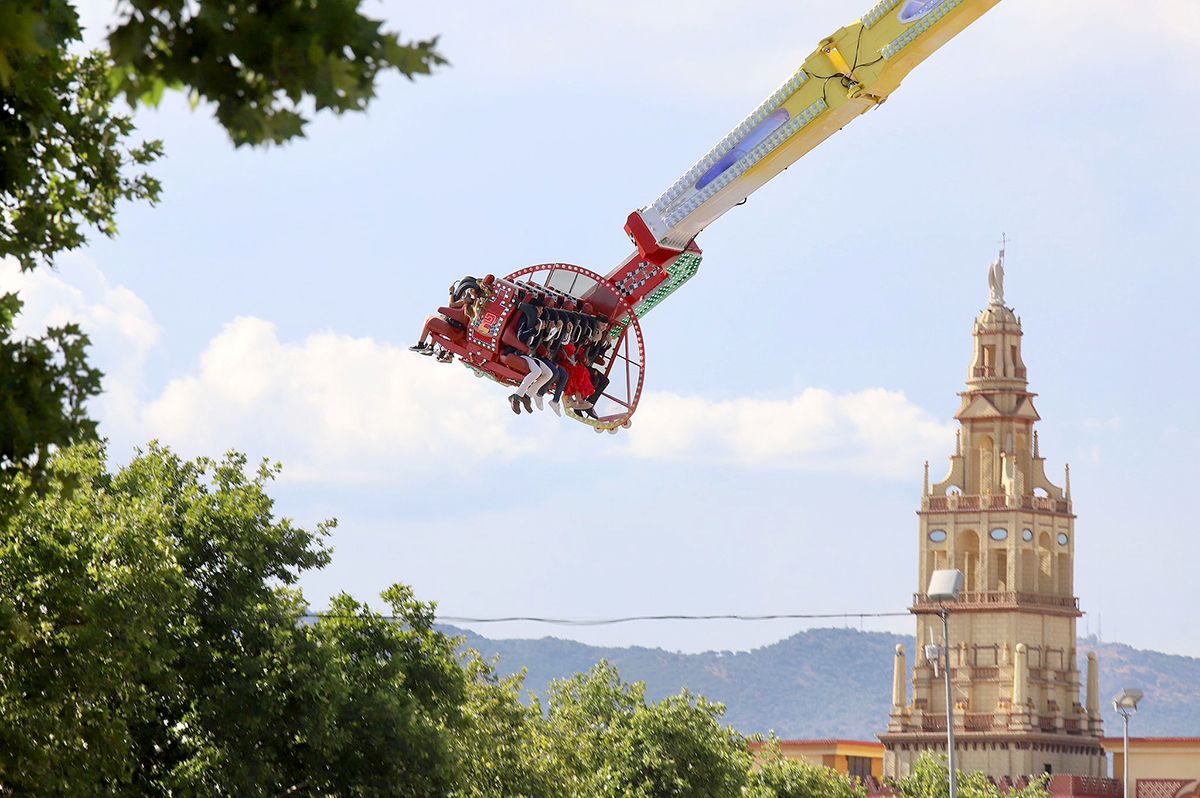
(782,616)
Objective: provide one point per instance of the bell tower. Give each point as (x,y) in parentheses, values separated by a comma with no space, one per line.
(999,519)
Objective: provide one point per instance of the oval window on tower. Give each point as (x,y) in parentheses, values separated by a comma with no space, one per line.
(938,536)
(1062,538)
(1027,535)
(999,533)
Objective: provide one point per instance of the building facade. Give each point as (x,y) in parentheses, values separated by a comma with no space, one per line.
(859,759)
(1161,767)
(998,518)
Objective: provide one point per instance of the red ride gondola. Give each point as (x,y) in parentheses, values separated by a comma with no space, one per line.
(484,333)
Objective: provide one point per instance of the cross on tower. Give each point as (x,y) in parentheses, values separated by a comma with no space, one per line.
(1004,239)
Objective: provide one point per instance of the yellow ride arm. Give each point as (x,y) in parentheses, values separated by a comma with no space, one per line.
(849,73)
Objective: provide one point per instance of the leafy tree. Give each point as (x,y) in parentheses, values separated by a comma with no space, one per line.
(68,155)
(86,588)
(66,158)
(603,739)
(381,698)
(258,62)
(929,779)
(779,777)
(503,749)
(151,643)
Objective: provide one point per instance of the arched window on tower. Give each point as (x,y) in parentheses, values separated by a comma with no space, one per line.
(987,475)
(1045,564)
(967,559)
(1064,574)
(1029,569)
(998,578)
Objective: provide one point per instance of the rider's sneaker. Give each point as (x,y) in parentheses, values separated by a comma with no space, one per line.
(418,348)
(537,400)
(556,407)
(525,401)
(514,402)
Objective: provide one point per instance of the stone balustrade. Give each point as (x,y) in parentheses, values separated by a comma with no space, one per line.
(997,598)
(956,502)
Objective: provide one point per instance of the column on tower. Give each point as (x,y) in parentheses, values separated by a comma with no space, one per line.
(1020,689)
(1093,693)
(899,676)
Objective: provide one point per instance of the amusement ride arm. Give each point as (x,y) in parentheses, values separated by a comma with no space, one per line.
(849,73)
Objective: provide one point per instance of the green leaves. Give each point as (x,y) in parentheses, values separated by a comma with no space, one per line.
(150,645)
(66,159)
(260,63)
(44,385)
(602,738)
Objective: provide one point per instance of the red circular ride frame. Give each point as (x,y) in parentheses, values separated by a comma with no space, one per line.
(624,307)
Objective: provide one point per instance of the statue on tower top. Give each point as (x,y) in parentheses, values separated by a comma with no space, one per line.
(996,277)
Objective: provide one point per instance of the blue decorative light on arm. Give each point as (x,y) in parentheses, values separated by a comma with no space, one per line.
(743,147)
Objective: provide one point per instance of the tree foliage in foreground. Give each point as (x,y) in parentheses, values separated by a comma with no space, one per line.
(69,156)
(153,642)
(66,151)
(44,383)
(612,743)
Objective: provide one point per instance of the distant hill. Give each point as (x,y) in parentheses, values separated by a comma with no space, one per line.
(1171,684)
(835,682)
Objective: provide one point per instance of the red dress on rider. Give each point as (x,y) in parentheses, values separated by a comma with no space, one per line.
(579,379)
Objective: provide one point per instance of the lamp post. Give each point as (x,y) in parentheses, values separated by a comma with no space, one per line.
(1125,703)
(946,586)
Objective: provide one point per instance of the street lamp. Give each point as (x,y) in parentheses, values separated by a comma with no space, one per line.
(946,586)
(1125,703)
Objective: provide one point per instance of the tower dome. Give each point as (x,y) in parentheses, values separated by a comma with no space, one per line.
(996,364)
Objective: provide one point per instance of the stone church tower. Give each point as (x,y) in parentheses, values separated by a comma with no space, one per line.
(999,519)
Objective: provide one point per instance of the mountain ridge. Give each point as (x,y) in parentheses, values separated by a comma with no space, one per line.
(833,682)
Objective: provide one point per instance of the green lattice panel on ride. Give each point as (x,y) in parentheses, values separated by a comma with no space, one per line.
(683,269)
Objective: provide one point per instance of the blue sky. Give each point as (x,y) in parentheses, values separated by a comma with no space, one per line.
(795,386)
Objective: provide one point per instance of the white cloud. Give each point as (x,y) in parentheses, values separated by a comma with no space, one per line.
(333,407)
(874,432)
